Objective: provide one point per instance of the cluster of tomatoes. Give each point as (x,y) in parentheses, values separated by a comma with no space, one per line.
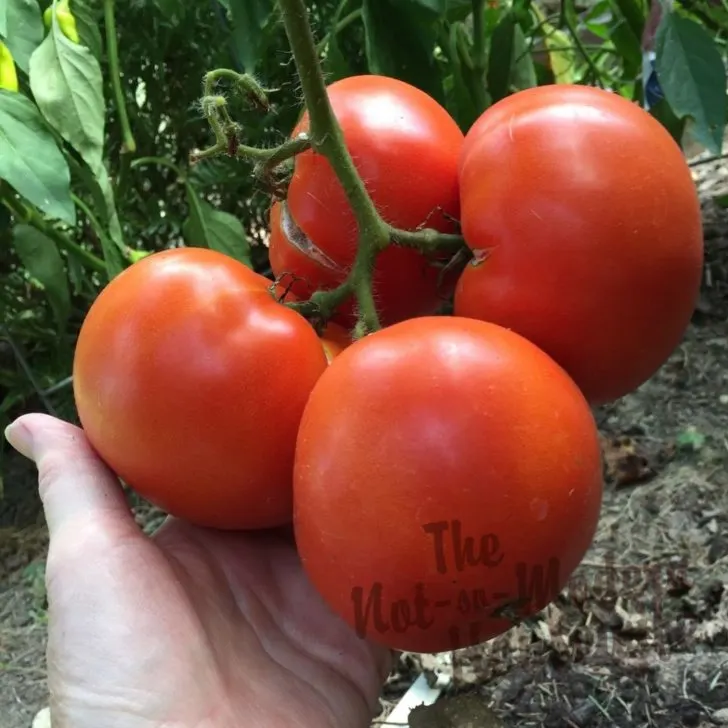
(443,457)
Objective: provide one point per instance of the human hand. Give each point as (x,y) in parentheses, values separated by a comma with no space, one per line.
(190,628)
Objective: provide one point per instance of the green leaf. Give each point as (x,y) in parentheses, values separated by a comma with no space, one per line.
(439,7)
(207,227)
(113,245)
(634,12)
(335,65)
(562,54)
(460,100)
(87,25)
(523,73)
(458,10)
(110,215)
(101,191)
(68,87)
(500,59)
(77,274)
(171,9)
(629,47)
(42,260)
(568,15)
(598,19)
(99,185)
(250,19)
(30,159)
(666,116)
(24,29)
(693,77)
(4,18)
(400,42)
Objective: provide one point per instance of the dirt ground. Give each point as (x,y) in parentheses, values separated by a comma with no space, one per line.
(639,638)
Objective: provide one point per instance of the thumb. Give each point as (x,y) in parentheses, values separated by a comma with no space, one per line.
(74,483)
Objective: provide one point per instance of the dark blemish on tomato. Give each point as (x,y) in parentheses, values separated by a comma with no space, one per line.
(299,240)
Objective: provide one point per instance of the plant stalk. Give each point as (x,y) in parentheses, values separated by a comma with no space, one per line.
(340,25)
(326,135)
(29,216)
(327,138)
(112,51)
(565,20)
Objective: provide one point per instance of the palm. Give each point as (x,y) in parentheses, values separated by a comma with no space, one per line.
(199,628)
(189,629)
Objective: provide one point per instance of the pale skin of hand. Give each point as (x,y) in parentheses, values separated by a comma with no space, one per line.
(190,628)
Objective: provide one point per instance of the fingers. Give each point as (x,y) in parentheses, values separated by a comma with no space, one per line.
(74,483)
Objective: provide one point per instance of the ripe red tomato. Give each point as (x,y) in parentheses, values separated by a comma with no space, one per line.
(591,223)
(429,445)
(190,381)
(406,148)
(335,339)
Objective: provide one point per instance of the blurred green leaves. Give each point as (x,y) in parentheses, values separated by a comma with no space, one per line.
(79,199)
(693,77)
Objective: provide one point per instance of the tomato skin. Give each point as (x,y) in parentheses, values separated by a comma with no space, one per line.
(190,380)
(491,434)
(592,222)
(335,339)
(406,148)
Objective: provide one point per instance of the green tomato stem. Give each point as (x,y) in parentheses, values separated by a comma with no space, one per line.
(112,51)
(270,158)
(244,84)
(159,161)
(565,20)
(130,254)
(327,138)
(30,216)
(340,24)
(426,240)
(326,135)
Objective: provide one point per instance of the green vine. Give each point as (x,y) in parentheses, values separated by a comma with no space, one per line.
(326,138)
(30,216)
(113,54)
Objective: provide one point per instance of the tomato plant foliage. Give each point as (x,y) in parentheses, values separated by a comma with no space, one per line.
(147,269)
(66,168)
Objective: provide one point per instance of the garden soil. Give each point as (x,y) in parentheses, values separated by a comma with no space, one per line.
(640,636)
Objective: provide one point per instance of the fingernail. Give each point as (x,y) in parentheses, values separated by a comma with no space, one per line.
(20,437)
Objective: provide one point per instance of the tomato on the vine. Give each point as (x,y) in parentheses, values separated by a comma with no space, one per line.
(335,339)
(432,439)
(587,230)
(406,148)
(190,380)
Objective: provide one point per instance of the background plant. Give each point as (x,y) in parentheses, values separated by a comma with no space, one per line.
(95,143)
